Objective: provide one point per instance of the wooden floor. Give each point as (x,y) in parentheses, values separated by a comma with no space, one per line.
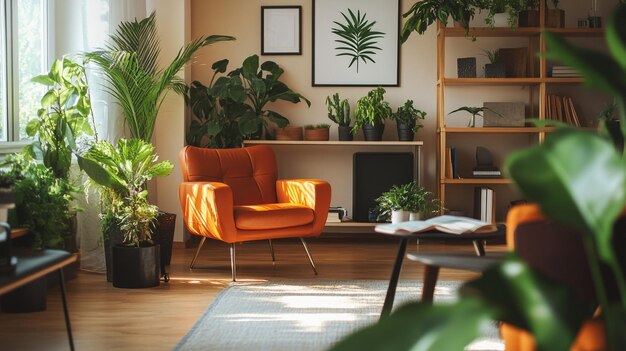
(107,318)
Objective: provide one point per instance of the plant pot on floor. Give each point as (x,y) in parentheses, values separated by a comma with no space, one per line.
(112,238)
(373,132)
(136,267)
(405,131)
(344,133)
(163,235)
(495,70)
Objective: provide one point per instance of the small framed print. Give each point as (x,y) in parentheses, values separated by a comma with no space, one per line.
(281,30)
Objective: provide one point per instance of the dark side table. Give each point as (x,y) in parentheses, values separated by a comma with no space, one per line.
(35,265)
(476,239)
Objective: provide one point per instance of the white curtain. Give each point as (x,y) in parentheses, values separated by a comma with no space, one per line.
(83,25)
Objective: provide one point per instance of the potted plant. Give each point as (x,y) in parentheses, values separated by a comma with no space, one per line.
(426,12)
(555,17)
(289,133)
(495,68)
(130,66)
(474,111)
(406,118)
(406,202)
(120,173)
(251,87)
(529,15)
(317,132)
(502,13)
(370,114)
(339,112)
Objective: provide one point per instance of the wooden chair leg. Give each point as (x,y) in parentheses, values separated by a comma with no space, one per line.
(272,251)
(233,262)
(195,257)
(308,254)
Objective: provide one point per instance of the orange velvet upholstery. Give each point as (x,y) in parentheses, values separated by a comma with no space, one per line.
(234,195)
(556,252)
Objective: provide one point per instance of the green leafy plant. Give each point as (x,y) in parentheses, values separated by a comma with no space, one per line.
(120,174)
(371,109)
(63,118)
(407,197)
(357,39)
(474,111)
(511,7)
(250,88)
(425,12)
(492,55)
(217,122)
(130,66)
(409,115)
(582,184)
(338,110)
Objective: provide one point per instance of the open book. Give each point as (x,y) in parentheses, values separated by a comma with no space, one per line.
(445,224)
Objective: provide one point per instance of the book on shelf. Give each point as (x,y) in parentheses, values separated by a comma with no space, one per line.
(445,224)
(564,72)
(561,108)
(336,215)
(484,171)
(451,170)
(333,218)
(484,204)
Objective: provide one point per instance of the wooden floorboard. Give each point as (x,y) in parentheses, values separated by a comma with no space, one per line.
(107,318)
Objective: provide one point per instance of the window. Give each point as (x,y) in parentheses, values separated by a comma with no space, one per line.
(23,50)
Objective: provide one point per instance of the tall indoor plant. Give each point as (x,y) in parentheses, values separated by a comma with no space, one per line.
(370,114)
(339,112)
(120,173)
(578,179)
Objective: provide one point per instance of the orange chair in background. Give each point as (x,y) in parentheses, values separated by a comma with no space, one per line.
(233,195)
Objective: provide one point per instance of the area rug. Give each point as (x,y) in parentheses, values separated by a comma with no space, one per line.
(303,315)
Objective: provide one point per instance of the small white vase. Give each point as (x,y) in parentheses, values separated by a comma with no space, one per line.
(501,19)
(398,216)
(415,216)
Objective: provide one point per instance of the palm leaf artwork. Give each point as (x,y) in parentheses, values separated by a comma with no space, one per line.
(357,39)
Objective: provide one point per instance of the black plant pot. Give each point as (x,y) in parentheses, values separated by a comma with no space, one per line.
(373,132)
(345,133)
(31,297)
(163,235)
(111,238)
(405,131)
(495,70)
(136,267)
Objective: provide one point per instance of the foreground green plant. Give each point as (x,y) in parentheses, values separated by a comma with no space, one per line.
(579,179)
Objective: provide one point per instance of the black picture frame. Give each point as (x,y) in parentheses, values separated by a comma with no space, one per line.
(281,30)
(331,65)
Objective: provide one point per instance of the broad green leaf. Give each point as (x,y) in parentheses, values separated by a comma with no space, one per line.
(550,311)
(248,125)
(161,169)
(281,121)
(99,174)
(578,179)
(220,66)
(33,127)
(42,79)
(49,99)
(423,327)
(250,67)
(214,128)
(56,71)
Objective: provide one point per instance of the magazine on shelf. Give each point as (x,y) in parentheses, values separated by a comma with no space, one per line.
(445,224)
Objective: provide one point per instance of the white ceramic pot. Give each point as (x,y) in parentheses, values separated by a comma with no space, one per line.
(501,19)
(398,216)
(415,216)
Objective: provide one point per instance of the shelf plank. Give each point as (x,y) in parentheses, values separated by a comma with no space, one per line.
(520,32)
(477,181)
(497,130)
(334,143)
(552,80)
(577,32)
(492,81)
(353,224)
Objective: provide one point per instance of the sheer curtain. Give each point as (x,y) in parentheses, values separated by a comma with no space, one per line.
(83,25)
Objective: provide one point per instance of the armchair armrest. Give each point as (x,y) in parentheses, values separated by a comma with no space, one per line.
(208,209)
(312,193)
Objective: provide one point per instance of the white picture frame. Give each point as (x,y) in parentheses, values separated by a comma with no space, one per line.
(281,30)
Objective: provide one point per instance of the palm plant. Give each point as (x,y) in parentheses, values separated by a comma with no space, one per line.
(120,174)
(129,64)
(358,40)
(474,111)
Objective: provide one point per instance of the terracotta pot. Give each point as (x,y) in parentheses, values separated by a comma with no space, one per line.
(289,133)
(318,134)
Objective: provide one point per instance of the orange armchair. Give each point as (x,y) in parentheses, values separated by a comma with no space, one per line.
(233,195)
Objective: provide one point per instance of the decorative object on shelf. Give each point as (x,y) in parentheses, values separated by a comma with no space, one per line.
(281,30)
(289,133)
(583,22)
(485,204)
(504,114)
(495,68)
(339,112)
(356,43)
(529,16)
(555,17)
(370,114)
(466,67)
(484,165)
(502,13)
(317,132)
(474,111)
(515,60)
(400,201)
(407,123)
(595,21)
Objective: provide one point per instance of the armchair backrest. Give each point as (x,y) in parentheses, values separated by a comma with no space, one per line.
(250,172)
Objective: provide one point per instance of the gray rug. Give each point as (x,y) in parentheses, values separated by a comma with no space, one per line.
(303,315)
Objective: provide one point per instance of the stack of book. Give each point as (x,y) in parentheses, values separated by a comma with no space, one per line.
(451,170)
(486,172)
(485,204)
(336,214)
(561,108)
(564,72)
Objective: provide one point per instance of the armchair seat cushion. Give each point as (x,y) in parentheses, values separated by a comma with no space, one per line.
(272,216)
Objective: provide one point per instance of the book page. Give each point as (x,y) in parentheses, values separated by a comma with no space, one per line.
(445,224)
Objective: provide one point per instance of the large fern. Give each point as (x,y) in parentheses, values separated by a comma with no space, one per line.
(357,39)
